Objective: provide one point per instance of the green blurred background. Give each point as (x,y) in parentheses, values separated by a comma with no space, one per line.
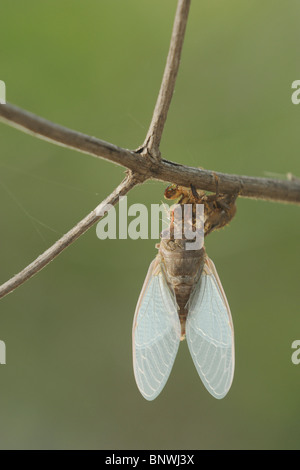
(96,67)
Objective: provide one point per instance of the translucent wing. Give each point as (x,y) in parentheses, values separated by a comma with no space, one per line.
(209,333)
(156,333)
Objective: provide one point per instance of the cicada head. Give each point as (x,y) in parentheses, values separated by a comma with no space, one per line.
(173,191)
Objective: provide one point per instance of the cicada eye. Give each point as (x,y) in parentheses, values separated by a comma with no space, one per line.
(171,192)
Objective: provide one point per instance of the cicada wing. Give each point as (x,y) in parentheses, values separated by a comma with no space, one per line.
(155,334)
(209,333)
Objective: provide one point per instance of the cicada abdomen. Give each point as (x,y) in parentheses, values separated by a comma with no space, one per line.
(182,269)
(182,297)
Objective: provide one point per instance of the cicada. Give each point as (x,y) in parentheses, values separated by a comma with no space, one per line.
(182,297)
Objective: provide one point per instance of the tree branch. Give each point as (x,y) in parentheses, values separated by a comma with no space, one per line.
(37,265)
(153,138)
(144,163)
(163,170)
(51,132)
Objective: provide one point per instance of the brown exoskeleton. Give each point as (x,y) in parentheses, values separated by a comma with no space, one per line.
(219,210)
(183,297)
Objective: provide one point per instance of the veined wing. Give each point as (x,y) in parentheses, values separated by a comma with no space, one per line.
(209,333)
(155,334)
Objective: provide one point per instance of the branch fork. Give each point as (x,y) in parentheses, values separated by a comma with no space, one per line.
(142,164)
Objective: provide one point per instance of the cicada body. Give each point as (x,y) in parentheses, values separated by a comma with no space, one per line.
(182,297)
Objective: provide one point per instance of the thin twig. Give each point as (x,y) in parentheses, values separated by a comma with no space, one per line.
(287,191)
(144,163)
(37,265)
(153,138)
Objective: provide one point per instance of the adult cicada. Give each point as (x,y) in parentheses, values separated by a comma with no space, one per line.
(182,297)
